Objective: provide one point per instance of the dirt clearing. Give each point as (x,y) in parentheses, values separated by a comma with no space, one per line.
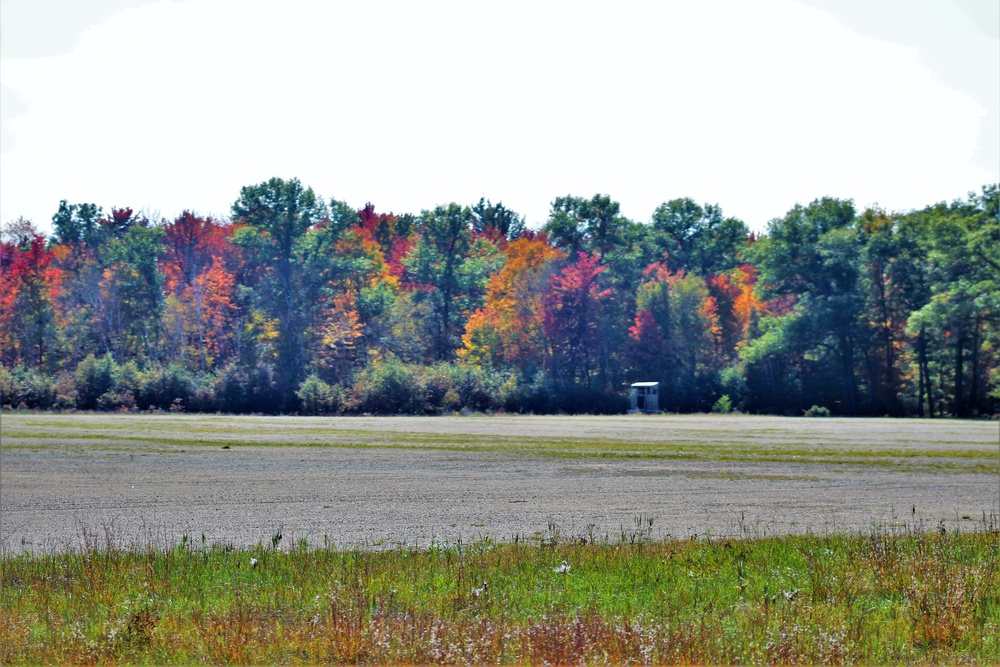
(68,480)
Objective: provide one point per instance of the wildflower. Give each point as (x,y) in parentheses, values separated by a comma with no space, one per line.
(476,592)
(563,569)
(791,595)
(253,562)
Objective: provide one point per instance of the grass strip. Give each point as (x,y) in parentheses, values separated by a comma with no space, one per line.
(891,596)
(903,460)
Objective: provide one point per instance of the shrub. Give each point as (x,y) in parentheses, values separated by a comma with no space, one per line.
(64,402)
(26,388)
(101,384)
(578,400)
(163,387)
(203,398)
(8,387)
(732,383)
(534,395)
(724,405)
(128,380)
(456,386)
(94,378)
(817,411)
(65,392)
(115,400)
(318,397)
(387,387)
(229,388)
(478,388)
(438,391)
(236,390)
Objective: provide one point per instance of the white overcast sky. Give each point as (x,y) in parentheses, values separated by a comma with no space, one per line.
(171,105)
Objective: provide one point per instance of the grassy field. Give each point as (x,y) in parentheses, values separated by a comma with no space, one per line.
(886,597)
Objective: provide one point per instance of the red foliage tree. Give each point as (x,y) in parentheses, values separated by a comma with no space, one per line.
(29,283)
(389,232)
(191,243)
(573,307)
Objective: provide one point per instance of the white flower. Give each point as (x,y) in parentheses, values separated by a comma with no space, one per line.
(253,562)
(563,569)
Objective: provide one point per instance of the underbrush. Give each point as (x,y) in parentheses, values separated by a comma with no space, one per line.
(890,596)
(383,387)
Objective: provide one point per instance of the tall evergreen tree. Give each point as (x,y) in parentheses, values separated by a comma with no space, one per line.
(275,218)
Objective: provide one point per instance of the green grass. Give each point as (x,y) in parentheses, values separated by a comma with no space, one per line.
(885,597)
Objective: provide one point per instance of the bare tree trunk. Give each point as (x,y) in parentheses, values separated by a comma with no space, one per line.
(196,289)
(926,371)
(847,375)
(974,398)
(921,377)
(959,403)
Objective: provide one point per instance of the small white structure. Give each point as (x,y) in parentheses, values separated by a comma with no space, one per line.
(645,397)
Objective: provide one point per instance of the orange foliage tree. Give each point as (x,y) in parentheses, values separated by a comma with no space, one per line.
(508,330)
(200,312)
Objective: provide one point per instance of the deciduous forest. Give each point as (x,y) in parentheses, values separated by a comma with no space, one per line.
(295,304)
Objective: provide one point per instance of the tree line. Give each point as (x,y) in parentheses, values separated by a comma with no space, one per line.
(295,304)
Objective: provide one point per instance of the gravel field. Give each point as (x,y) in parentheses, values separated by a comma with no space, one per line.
(67,481)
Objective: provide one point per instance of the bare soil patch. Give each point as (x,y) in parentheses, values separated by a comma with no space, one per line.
(71,480)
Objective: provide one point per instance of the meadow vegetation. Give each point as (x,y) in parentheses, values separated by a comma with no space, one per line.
(894,595)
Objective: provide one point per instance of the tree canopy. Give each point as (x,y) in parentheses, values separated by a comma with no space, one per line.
(299,304)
